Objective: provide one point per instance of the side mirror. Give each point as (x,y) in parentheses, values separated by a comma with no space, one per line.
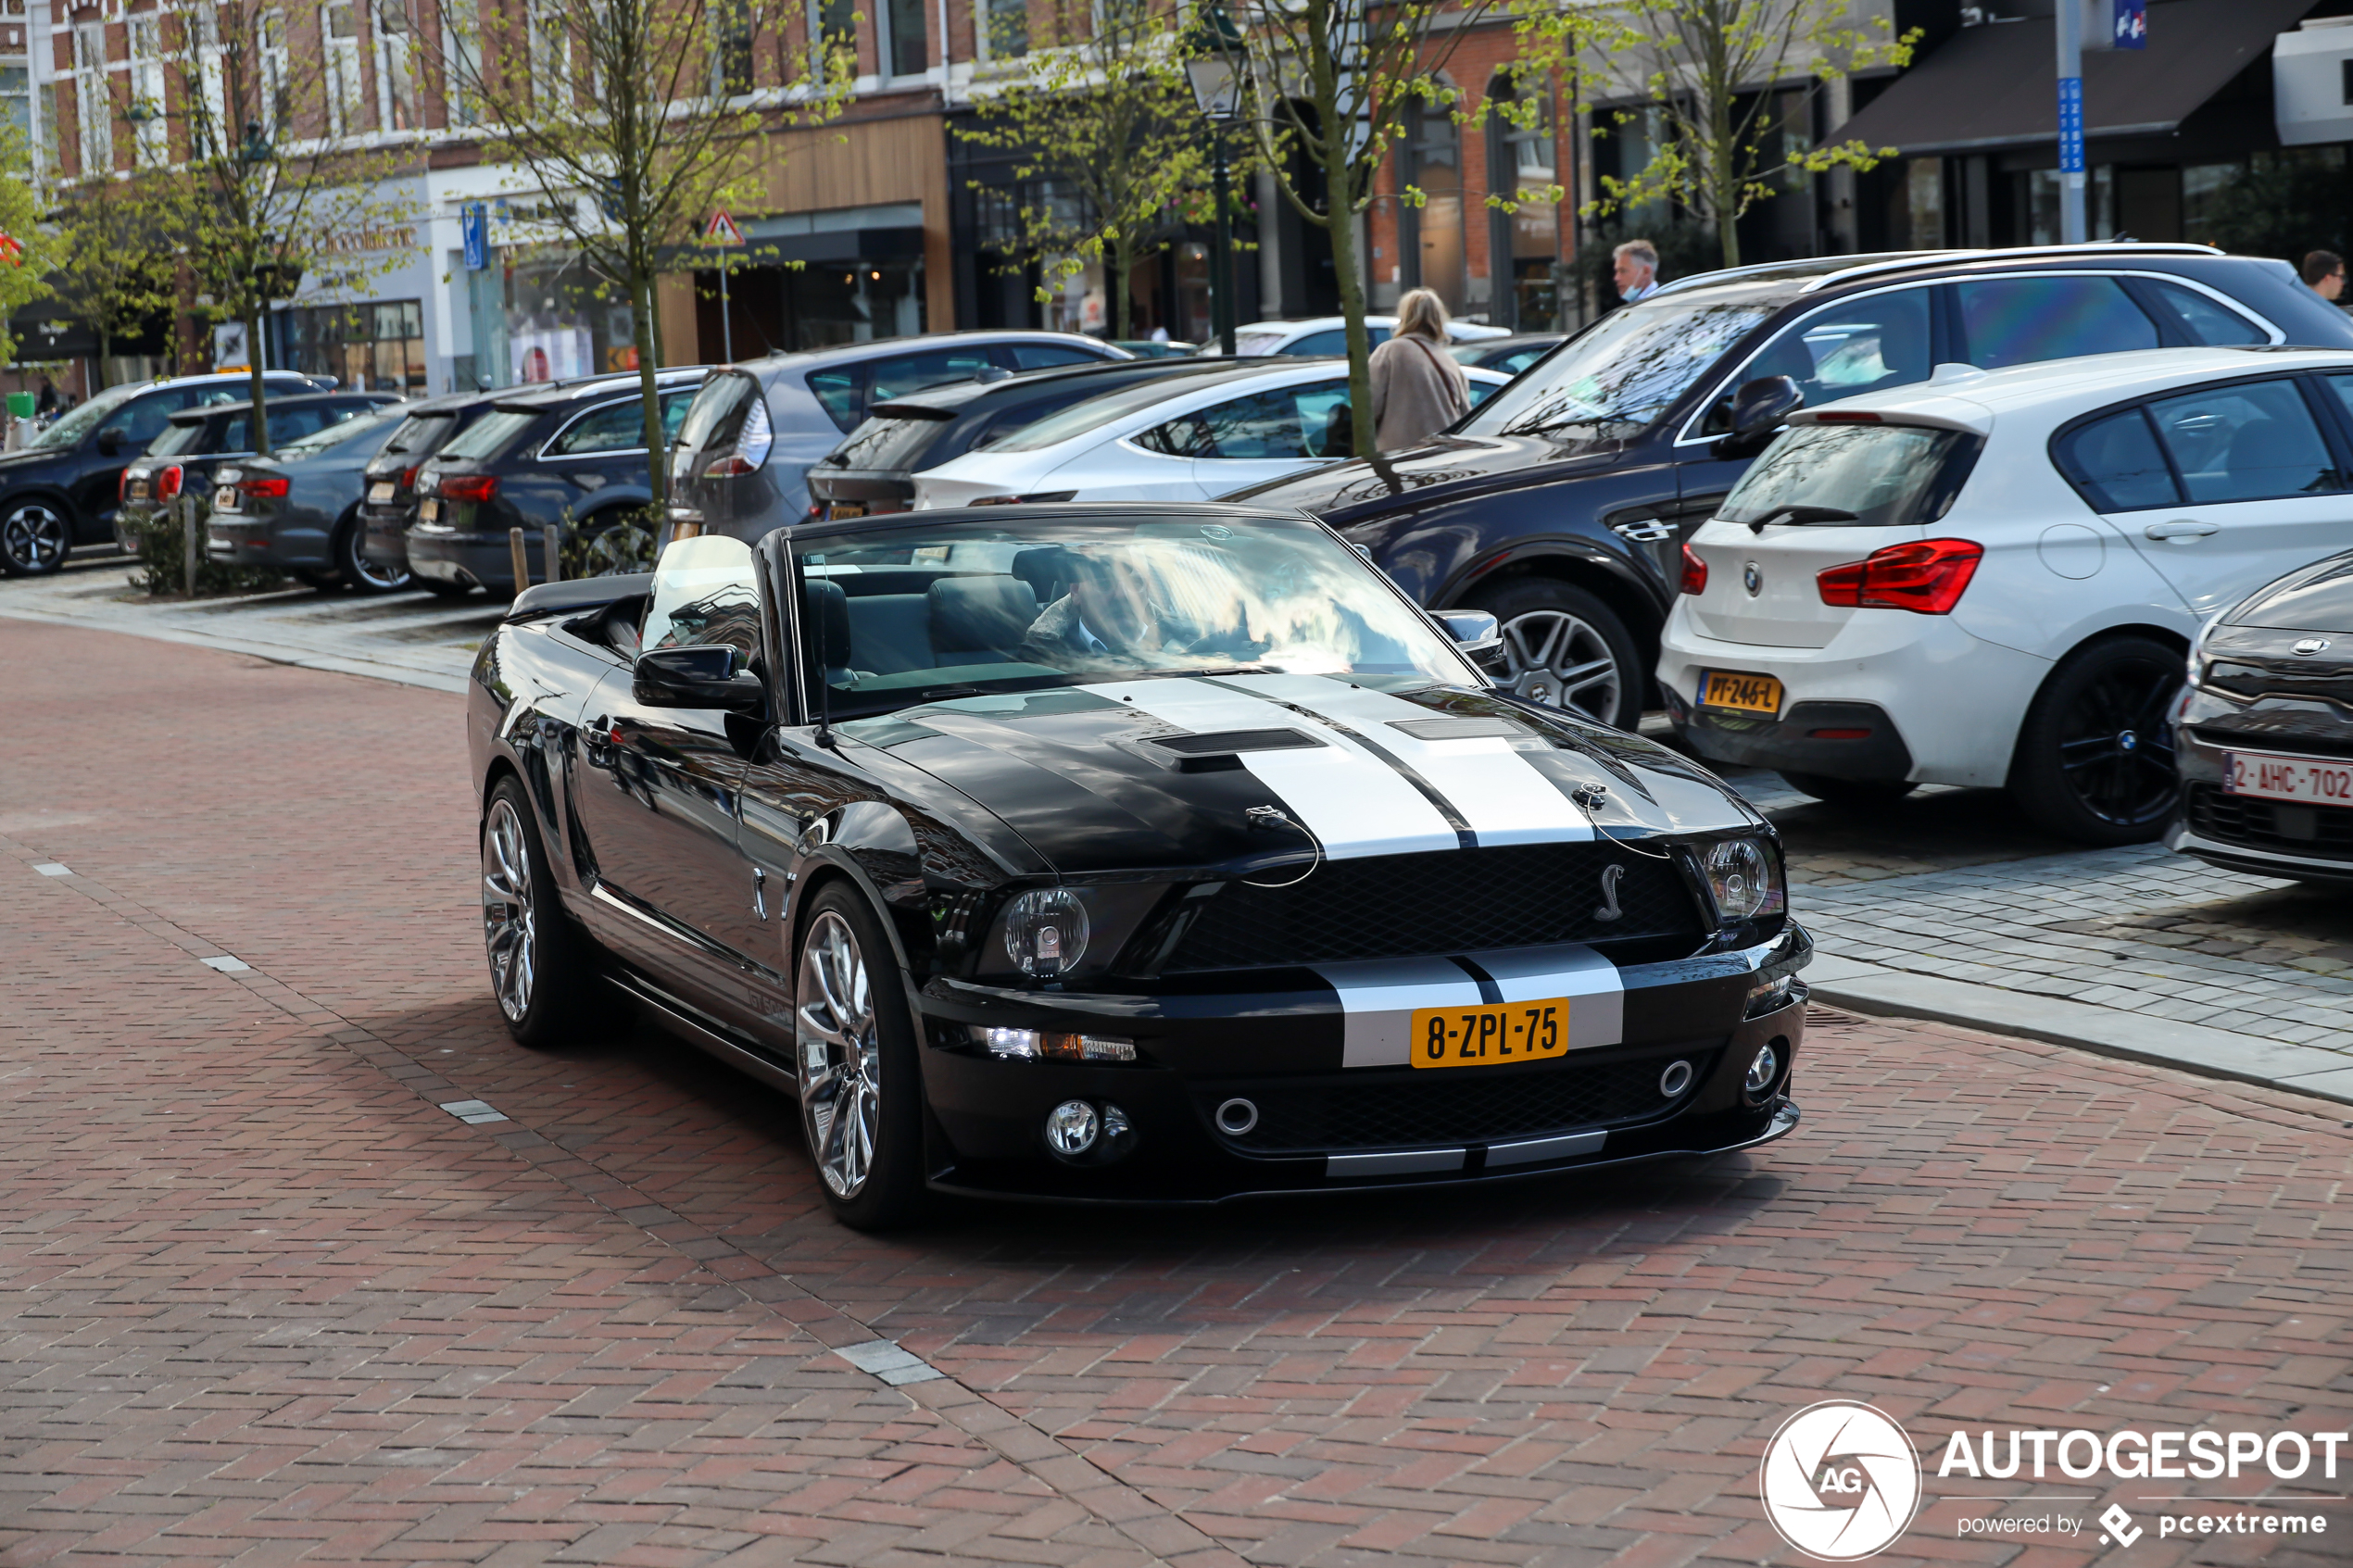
(707,676)
(1478,634)
(110,441)
(1758,408)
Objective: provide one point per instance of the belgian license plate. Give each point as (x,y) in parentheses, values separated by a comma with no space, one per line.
(2288,778)
(380,492)
(224,500)
(429,511)
(839,509)
(1491,1033)
(1743,694)
(138,489)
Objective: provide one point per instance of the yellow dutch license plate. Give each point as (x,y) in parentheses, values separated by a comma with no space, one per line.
(841,509)
(1743,694)
(1491,1033)
(428,512)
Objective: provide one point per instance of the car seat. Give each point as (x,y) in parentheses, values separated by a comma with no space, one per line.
(980,620)
(828,624)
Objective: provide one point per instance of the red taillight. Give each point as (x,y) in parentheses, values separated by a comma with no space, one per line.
(168,483)
(275,489)
(122,487)
(476,487)
(1694,573)
(1927,578)
(407,478)
(729,467)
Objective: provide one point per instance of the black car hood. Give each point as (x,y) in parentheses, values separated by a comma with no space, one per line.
(1088,777)
(1449,466)
(33,456)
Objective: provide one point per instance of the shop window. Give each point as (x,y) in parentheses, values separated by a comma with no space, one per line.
(374,347)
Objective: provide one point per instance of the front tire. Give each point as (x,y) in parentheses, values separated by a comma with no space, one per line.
(36,538)
(542,972)
(1566,649)
(854,1053)
(357,573)
(2095,760)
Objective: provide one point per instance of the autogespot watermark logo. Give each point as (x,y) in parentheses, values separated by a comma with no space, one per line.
(1841,1480)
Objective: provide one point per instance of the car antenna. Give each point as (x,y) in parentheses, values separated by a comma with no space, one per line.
(825,736)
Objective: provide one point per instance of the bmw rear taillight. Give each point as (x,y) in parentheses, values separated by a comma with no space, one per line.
(475,487)
(1694,573)
(1927,578)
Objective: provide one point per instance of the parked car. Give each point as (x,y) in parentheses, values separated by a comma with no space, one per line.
(300,511)
(1991,579)
(388,502)
(194,442)
(1178,438)
(873,471)
(1561,507)
(1510,354)
(61,491)
(1005,915)
(567,455)
(2264,733)
(741,463)
(1322,336)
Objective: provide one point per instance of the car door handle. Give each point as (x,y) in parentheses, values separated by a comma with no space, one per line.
(1643,531)
(2180,528)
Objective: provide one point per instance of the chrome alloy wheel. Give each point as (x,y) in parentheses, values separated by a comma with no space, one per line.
(510,922)
(1561,661)
(840,1055)
(33,537)
(374,576)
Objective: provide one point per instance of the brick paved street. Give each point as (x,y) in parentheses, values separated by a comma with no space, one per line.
(267,1302)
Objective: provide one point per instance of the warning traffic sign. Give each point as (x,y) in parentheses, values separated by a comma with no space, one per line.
(723,230)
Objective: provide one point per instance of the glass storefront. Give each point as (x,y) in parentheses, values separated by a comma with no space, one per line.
(374,347)
(817,304)
(542,315)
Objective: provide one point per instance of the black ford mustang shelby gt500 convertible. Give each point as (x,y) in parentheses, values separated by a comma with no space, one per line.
(1142,853)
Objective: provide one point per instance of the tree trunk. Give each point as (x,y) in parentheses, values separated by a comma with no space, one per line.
(1351,308)
(253,357)
(641,289)
(106,352)
(1123,251)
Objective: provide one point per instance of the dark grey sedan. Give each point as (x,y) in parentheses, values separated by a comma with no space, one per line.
(300,512)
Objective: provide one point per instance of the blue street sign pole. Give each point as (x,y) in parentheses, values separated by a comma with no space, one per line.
(473,223)
(2073,228)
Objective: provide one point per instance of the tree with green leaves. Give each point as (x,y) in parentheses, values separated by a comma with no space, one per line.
(29,250)
(1332,87)
(634,120)
(116,270)
(1105,130)
(269,185)
(1729,89)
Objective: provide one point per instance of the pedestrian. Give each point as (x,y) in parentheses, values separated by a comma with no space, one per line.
(2324,272)
(48,403)
(1418,389)
(1636,269)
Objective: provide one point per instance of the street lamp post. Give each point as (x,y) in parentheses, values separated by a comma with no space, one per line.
(1217,83)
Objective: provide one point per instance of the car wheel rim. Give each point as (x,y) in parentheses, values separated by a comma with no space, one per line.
(1563,661)
(2116,749)
(509,921)
(33,537)
(620,551)
(840,1056)
(383,579)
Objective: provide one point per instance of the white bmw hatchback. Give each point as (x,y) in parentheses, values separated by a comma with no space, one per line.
(1992,578)
(1188,437)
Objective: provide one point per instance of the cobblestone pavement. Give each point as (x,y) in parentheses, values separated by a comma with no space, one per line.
(263,1301)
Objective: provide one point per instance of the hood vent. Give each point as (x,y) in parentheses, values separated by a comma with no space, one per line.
(1222,749)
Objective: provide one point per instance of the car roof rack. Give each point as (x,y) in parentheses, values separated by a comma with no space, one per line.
(2095,247)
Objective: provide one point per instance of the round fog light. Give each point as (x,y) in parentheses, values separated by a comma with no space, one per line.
(1236,1117)
(1762,1070)
(1072,1128)
(1675,1080)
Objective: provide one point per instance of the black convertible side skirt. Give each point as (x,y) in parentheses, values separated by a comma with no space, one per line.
(706,1035)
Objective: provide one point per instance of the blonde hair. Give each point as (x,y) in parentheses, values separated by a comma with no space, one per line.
(1422,311)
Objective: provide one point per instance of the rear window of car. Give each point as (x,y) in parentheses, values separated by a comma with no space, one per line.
(492,435)
(178,440)
(1046,356)
(1080,418)
(720,397)
(887,442)
(420,433)
(1880,475)
(357,424)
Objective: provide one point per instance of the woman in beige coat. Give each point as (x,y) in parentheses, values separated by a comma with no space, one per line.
(1418,389)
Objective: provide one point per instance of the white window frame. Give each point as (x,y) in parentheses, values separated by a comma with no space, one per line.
(270,51)
(341,76)
(150,138)
(394,36)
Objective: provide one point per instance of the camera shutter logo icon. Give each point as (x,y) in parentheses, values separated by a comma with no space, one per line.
(1840,1481)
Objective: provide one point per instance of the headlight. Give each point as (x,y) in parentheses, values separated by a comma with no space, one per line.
(1744,878)
(1045,932)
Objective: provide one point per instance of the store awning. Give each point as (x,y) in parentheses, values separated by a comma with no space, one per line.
(1996,85)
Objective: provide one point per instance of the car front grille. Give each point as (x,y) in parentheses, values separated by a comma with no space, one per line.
(1455,901)
(1454,1106)
(2322,833)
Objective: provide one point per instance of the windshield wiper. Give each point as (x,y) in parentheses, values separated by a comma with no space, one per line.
(1803,514)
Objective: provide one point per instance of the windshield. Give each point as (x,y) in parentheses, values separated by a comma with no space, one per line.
(912,612)
(1864,475)
(491,434)
(1621,375)
(72,427)
(354,427)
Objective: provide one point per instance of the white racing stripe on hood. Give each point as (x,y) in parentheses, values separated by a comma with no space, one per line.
(1377,997)
(1348,798)
(1499,793)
